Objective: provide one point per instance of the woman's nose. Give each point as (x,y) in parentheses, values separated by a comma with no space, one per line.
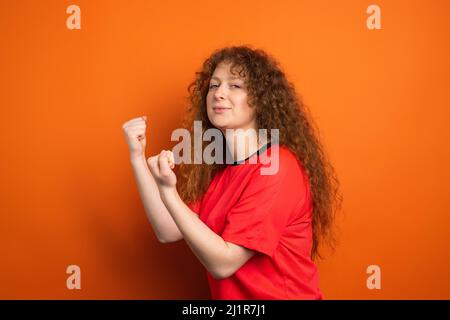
(219,94)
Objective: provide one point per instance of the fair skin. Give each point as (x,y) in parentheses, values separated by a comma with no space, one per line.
(229,91)
(221,258)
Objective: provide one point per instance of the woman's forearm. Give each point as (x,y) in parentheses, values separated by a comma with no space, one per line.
(162,222)
(210,248)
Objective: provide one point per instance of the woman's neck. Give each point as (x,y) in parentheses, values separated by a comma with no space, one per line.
(243,143)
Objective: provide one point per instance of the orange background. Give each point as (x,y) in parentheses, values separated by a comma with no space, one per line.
(68,196)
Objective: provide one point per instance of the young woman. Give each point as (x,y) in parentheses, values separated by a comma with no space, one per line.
(257,235)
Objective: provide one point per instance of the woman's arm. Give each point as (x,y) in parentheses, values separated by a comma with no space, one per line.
(162,223)
(219,257)
(222,259)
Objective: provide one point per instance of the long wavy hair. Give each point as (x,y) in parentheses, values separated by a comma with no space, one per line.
(277,106)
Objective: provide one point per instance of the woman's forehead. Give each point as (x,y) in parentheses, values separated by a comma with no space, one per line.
(228,71)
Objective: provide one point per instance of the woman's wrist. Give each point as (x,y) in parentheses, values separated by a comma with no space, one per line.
(137,158)
(167,193)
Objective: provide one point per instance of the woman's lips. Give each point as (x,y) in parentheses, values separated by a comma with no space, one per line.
(220,110)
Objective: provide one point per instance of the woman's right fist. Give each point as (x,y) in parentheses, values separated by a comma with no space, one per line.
(134,131)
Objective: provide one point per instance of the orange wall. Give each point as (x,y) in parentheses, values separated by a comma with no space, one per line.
(380,98)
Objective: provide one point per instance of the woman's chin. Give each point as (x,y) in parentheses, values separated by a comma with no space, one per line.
(221,125)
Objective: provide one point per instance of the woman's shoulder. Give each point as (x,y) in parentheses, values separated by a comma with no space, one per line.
(282,174)
(281,159)
(274,162)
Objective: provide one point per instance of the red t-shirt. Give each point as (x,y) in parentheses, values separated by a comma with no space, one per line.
(270,214)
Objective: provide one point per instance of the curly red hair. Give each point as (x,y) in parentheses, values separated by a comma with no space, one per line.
(277,106)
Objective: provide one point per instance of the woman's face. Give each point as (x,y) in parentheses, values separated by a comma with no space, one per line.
(226,101)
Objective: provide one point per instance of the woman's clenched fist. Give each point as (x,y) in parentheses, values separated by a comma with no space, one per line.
(134,131)
(161,167)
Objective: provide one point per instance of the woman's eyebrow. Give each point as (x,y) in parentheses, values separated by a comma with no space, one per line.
(229,78)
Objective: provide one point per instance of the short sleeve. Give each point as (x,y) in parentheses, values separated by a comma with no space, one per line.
(259,218)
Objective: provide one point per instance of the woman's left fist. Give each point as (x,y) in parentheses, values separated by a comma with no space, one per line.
(161,168)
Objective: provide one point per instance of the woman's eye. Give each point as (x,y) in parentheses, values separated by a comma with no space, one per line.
(215,85)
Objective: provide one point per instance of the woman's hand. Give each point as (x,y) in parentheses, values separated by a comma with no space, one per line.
(134,131)
(161,168)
